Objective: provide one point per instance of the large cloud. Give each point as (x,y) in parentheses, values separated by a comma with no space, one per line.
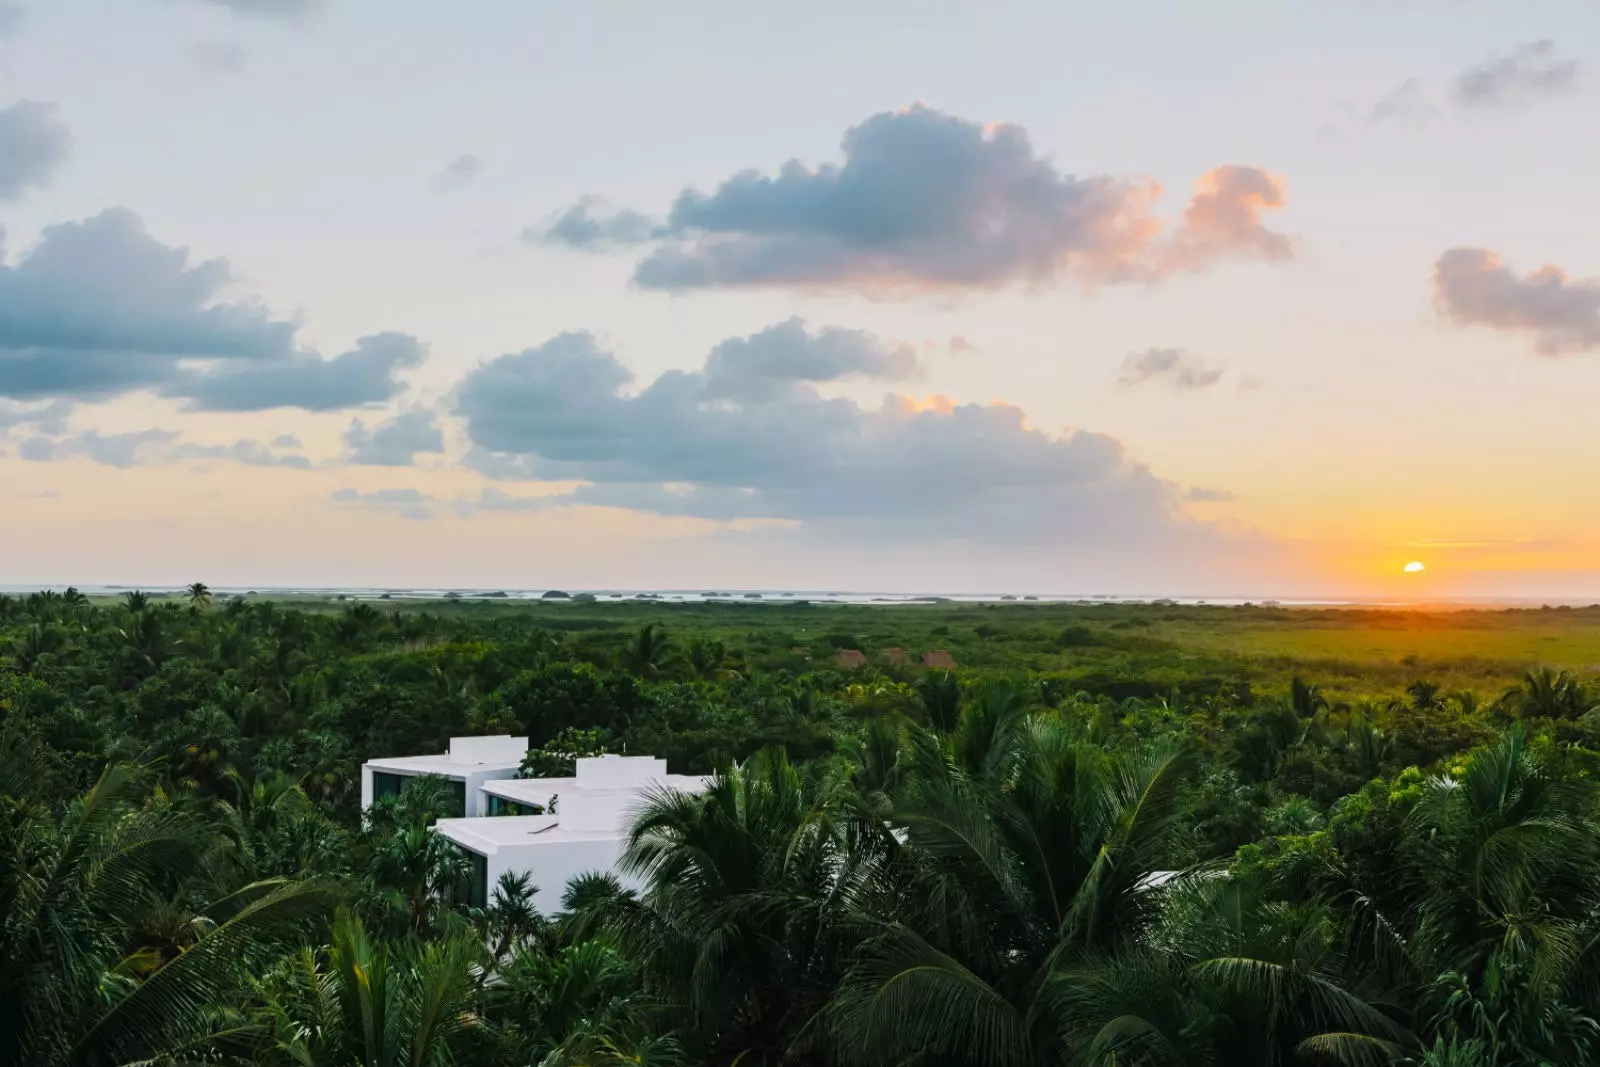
(926,200)
(1474,287)
(100,307)
(394,443)
(33,143)
(1529,71)
(682,446)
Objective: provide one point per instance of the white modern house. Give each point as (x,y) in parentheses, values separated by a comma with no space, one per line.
(468,763)
(552,829)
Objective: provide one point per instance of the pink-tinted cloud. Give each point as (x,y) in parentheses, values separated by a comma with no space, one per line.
(1224,221)
(927,201)
(1475,287)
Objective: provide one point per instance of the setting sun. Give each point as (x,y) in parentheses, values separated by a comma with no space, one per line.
(1414,567)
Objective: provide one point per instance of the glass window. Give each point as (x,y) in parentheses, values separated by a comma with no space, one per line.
(475,893)
(386,785)
(458,799)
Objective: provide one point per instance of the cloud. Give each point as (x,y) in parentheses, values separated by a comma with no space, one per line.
(564,412)
(1406,105)
(1474,287)
(150,447)
(33,143)
(1223,220)
(592,226)
(45,416)
(1201,495)
(1174,366)
(12,17)
(285,440)
(219,56)
(930,201)
(492,499)
(459,173)
(961,346)
(363,375)
(407,503)
(289,9)
(1530,71)
(396,442)
(765,364)
(100,307)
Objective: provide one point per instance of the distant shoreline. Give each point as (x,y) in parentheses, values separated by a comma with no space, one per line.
(792,596)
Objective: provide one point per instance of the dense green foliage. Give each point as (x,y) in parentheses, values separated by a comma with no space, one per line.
(1103,839)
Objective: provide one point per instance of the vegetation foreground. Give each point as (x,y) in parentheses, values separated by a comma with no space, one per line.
(1129,835)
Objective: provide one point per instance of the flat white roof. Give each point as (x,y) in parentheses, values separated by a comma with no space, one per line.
(539,790)
(440,764)
(487,836)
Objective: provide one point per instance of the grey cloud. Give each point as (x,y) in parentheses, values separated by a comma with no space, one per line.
(407,503)
(33,143)
(396,442)
(46,416)
(458,174)
(1174,366)
(1474,287)
(249,453)
(114,450)
(559,412)
(12,16)
(1201,495)
(1406,105)
(592,226)
(149,448)
(363,375)
(492,499)
(285,440)
(926,201)
(781,356)
(1528,72)
(100,307)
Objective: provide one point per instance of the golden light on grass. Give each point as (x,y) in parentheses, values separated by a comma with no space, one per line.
(1414,568)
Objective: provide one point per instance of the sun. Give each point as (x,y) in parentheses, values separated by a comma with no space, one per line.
(1414,568)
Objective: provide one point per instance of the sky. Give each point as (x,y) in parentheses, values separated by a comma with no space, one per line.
(1243,298)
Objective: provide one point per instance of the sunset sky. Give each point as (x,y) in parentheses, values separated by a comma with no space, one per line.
(1233,298)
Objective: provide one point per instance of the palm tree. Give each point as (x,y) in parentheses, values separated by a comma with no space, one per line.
(81,986)
(199,595)
(373,1003)
(647,654)
(740,933)
(1018,862)
(136,600)
(707,658)
(941,700)
(1549,694)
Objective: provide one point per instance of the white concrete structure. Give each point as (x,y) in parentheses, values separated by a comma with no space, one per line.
(586,832)
(471,761)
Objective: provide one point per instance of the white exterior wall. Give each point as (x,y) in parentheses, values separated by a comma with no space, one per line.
(552,865)
(495,748)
